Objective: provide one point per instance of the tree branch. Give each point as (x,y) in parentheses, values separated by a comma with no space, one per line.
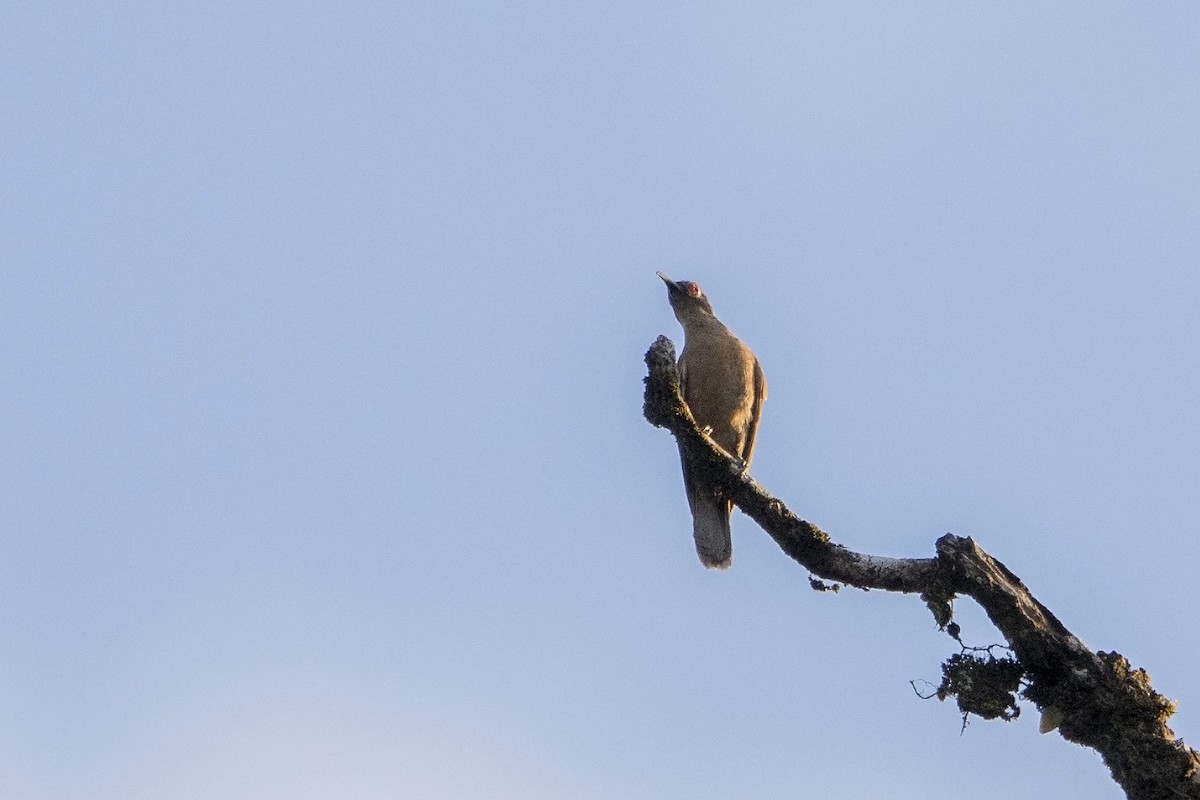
(1097,699)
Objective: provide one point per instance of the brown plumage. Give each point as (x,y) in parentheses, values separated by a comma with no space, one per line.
(724,387)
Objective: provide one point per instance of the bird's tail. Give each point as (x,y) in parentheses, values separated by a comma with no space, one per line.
(710,527)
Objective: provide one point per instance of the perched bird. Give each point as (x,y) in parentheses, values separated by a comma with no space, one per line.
(724,387)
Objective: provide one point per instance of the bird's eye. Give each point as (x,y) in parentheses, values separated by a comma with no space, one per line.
(692,288)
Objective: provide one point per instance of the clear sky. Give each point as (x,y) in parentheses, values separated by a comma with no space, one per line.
(324,470)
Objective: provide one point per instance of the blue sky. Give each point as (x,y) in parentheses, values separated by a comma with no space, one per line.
(322,331)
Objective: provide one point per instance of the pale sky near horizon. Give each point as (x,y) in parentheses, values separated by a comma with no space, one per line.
(322,328)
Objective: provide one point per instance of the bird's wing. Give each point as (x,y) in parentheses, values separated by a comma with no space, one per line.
(760,394)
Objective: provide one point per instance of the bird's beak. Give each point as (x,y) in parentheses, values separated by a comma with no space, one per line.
(670,283)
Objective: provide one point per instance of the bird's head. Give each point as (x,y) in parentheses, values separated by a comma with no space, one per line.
(687,299)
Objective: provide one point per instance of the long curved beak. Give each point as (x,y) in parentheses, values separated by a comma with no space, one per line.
(670,283)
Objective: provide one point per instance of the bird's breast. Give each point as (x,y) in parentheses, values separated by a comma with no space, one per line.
(718,385)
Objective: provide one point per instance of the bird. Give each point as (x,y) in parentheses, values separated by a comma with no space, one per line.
(723,385)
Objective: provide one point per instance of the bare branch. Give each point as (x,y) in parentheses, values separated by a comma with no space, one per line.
(1098,699)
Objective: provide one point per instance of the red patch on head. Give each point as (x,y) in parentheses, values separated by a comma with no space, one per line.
(692,289)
